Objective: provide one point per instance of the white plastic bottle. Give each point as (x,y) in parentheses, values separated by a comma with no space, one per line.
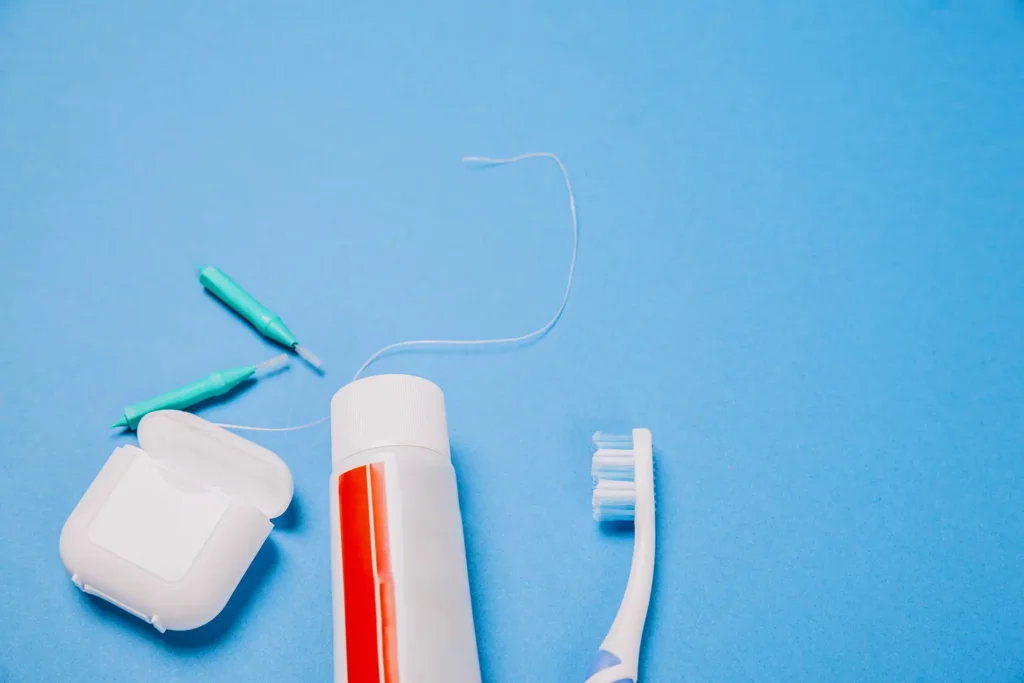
(402,611)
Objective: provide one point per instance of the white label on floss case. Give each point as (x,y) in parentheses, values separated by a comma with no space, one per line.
(154,524)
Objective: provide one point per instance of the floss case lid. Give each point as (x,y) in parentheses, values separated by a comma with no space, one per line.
(217,459)
(166,531)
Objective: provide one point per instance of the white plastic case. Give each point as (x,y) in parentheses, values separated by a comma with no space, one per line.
(166,531)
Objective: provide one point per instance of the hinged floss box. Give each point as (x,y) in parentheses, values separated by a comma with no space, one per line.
(166,530)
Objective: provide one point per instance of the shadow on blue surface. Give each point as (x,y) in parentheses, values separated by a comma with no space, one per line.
(468,508)
(292,517)
(212,633)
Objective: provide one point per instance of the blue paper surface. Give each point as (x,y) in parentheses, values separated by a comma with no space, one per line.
(800,267)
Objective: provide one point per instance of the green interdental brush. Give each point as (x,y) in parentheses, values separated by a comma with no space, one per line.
(245,304)
(215,385)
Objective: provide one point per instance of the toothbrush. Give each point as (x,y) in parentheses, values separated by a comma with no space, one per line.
(623,473)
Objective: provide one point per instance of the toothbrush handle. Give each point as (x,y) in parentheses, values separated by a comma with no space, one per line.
(619,658)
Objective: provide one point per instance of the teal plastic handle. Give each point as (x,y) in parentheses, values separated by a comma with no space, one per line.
(242,302)
(216,384)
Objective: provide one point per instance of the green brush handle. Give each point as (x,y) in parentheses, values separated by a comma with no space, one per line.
(216,384)
(231,293)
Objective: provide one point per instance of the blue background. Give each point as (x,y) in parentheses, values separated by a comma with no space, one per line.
(800,266)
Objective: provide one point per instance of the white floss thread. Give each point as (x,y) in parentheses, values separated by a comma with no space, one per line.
(536,334)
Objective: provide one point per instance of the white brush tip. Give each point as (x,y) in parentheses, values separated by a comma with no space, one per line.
(275,362)
(308,356)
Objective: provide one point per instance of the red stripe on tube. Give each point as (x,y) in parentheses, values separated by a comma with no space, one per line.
(357,572)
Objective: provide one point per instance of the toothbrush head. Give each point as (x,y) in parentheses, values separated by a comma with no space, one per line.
(613,469)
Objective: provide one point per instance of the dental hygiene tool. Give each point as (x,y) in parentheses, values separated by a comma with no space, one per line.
(623,472)
(500,341)
(530,336)
(399,580)
(168,528)
(214,385)
(265,321)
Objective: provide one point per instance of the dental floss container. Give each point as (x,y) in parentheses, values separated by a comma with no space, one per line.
(167,529)
(400,586)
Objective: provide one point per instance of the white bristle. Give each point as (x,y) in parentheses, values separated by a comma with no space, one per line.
(612,441)
(613,470)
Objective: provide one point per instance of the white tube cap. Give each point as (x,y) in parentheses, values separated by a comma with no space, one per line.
(387,410)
